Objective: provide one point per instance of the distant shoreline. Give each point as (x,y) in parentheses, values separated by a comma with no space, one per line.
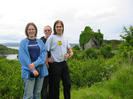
(12,47)
(16,45)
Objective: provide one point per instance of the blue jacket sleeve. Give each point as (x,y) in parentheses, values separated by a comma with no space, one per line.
(42,58)
(24,58)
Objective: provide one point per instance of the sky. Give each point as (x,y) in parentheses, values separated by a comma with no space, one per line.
(107,15)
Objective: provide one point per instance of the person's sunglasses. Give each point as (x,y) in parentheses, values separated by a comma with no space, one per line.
(47,30)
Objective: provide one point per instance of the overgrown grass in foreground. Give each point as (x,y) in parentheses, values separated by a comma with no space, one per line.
(120,86)
(91,78)
(10,79)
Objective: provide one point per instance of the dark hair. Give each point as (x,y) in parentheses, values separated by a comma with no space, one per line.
(58,21)
(27,26)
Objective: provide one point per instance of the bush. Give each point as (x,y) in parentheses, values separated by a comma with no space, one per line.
(128,36)
(76,47)
(86,72)
(10,79)
(118,87)
(88,53)
(106,51)
(91,53)
(121,84)
(126,53)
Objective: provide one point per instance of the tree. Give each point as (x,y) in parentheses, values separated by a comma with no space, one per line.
(87,34)
(128,36)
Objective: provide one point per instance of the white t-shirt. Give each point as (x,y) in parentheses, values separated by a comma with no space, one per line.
(58,46)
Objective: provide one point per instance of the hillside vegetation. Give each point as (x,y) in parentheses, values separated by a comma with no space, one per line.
(5,50)
(105,73)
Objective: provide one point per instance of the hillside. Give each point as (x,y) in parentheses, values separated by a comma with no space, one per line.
(5,50)
(12,44)
(115,43)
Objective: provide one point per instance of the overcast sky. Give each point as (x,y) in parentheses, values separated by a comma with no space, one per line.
(107,15)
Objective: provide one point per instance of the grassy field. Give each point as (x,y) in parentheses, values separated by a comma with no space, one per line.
(118,87)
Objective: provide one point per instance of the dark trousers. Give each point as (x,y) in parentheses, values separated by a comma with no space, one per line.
(59,71)
(45,88)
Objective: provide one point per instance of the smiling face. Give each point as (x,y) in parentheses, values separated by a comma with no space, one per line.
(59,28)
(31,31)
(47,31)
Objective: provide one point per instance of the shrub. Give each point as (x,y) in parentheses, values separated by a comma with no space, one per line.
(76,47)
(106,51)
(86,72)
(10,79)
(88,53)
(121,84)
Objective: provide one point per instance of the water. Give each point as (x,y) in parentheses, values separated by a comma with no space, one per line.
(13,47)
(11,56)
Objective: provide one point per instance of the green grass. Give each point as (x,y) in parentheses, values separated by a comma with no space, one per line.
(89,93)
(80,93)
(120,86)
(10,79)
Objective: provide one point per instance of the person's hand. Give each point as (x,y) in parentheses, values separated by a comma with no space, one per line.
(32,66)
(70,54)
(66,56)
(50,60)
(47,63)
(35,73)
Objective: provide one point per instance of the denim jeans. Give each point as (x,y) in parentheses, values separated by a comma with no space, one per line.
(32,88)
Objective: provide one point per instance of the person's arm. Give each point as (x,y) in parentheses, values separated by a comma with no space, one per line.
(24,58)
(47,61)
(48,48)
(70,52)
(42,58)
(49,43)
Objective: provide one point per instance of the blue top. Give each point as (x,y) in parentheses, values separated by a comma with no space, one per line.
(33,49)
(25,60)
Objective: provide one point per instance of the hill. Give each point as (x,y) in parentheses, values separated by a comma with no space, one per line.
(11,44)
(115,43)
(5,50)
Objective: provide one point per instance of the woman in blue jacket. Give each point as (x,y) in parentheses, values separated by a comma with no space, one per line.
(32,57)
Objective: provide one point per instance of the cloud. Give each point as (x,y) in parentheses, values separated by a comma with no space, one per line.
(1,16)
(108,15)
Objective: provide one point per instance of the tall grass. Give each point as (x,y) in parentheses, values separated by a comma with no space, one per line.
(120,86)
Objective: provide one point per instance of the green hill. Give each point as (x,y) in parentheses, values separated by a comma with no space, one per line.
(5,50)
(115,43)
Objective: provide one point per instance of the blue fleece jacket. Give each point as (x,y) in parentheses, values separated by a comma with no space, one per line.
(25,60)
